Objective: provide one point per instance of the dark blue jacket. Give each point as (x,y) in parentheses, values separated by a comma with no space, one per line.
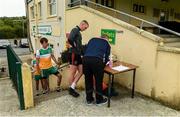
(99,48)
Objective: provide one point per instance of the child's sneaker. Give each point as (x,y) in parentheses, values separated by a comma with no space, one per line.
(38,93)
(58,89)
(45,91)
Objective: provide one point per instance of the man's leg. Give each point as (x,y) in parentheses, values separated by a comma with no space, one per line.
(78,75)
(88,81)
(98,66)
(78,60)
(73,68)
(72,73)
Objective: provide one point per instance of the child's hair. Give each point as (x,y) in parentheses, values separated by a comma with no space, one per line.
(42,40)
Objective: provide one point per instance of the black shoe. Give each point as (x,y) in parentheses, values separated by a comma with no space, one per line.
(113,92)
(58,89)
(73,92)
(90,102)
(102,102)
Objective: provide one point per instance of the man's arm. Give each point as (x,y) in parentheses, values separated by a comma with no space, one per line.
(108,53)
(72,36)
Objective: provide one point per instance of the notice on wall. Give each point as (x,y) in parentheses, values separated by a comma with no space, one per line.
(43,29)
(111,33)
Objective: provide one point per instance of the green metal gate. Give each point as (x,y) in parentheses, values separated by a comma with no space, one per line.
(14,64)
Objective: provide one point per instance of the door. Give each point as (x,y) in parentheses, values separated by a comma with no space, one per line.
(164,15)
(108,3)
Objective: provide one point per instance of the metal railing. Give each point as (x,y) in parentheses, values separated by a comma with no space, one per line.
(136,21)
(15,74)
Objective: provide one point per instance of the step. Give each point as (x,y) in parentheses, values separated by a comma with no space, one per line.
(173,44)
(171,40)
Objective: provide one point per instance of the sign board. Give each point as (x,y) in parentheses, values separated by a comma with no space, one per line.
(111,33)
(43,29)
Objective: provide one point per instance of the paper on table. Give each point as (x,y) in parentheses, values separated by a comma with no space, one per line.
(120,68)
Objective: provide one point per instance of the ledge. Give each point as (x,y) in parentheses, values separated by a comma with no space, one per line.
(122,23)
(169,49)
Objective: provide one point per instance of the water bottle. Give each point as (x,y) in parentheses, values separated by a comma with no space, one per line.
(111,61)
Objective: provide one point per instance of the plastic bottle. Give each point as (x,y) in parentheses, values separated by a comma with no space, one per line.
(110,61)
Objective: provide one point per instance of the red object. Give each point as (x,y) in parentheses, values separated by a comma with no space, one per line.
(104,85)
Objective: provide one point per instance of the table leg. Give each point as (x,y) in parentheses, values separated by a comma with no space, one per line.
(112,84)
(133,86)
(109,90)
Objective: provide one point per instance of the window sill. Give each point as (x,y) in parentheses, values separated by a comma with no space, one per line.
(32,19)
(51,16)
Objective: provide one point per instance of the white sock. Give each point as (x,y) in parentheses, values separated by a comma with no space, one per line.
(73,85)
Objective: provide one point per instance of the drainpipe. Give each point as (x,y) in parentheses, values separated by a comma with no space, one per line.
(36,20)
(62,24)
(28,26)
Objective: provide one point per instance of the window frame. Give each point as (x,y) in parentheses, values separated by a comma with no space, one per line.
(39,10)
(139,8)
(32,12)
(49,8)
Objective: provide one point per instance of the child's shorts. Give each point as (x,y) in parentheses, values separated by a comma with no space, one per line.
(46,72)
(37,77)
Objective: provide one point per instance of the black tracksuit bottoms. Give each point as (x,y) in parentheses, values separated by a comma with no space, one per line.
(93,66)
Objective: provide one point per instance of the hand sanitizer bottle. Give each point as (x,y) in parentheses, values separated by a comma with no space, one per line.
(110,61)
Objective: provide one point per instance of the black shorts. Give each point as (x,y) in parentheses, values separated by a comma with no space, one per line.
(75,59)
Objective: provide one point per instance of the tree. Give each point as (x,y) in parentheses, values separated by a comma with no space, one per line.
(12,27)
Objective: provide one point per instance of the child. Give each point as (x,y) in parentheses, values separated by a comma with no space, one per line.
(44,63)
(37,76)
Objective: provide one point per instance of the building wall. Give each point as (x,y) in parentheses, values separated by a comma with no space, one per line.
(127,7)
(157,75)
(56,23)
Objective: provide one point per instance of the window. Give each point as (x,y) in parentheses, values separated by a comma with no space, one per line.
(32,12)
(39,10)
(171,12)
(177,16)
(135,7)
(52,7)
(156,12)
(139,8)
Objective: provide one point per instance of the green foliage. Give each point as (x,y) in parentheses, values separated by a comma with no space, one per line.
(13,27)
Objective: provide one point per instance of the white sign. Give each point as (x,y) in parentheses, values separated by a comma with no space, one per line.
(44,29)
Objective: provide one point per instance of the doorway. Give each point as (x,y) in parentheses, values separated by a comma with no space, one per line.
(108,3)
(164,15)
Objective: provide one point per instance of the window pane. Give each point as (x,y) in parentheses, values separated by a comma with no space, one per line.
(39,9)
(52,7)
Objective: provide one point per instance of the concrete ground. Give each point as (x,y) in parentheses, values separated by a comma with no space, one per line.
(19,51)
(23,53)
(62,104)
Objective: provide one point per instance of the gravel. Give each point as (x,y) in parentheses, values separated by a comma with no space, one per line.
(62,104)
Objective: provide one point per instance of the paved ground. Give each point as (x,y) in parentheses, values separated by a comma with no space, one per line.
(61,104)
(19,51)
